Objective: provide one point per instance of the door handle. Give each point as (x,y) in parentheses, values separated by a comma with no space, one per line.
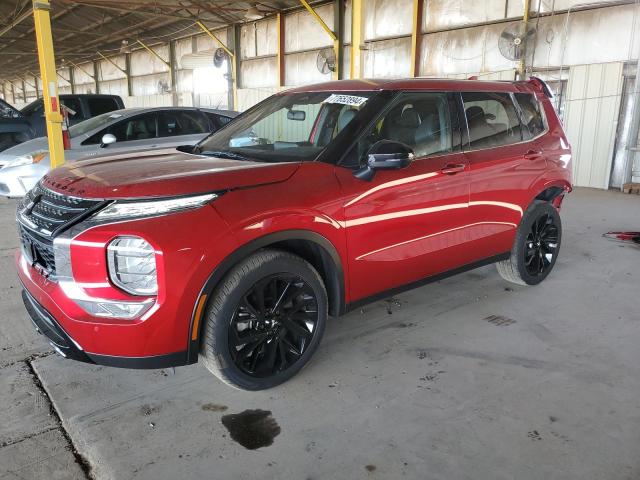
(533,155)
(452,168)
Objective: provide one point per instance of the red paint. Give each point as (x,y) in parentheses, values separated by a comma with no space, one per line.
(435,215)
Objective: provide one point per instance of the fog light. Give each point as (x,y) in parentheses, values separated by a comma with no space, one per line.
(110,309)
(132,265)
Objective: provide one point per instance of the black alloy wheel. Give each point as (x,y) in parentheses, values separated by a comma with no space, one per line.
(272,325)
(541,245)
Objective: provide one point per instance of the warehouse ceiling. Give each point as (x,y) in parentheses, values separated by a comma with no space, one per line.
(81,28)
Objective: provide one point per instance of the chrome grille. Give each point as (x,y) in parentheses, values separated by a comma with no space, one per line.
(41,216)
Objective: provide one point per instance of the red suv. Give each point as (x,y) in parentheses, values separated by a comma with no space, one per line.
(309,204)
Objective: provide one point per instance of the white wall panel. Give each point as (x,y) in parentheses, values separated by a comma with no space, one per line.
(248,97)
(261,72)
(387,18)
(205,42)
(148,84)
(183,47)
(143,62)
(590,120)
(114,87)
(461,51)
(259,38)
(594,36)
(303,32)
(300,69)
(443,14)
(146,101)
(387,58)
(108,71)
(79,74)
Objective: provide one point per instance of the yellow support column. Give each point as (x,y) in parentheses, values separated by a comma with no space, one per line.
(357,37)
(522,64)
(46,57)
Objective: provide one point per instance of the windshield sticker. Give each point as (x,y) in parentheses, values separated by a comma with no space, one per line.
(351,100)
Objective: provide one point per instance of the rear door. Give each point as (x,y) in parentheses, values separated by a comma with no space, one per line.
(505,160)
(410,223)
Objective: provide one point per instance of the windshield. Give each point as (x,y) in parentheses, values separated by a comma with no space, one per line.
(32,107)
(7,111)
(286,128)
(93,123)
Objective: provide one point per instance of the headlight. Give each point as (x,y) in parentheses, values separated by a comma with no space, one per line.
(131,209)
(27,159)
(132,265)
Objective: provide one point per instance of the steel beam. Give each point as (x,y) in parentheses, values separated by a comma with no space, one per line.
(416,37)
(153,52)
(280,53)
(96,75)
(46,57)
(331,33)
(338,26)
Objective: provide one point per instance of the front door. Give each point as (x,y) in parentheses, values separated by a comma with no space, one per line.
(410,223)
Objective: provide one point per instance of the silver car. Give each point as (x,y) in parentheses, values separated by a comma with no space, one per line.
(120,131)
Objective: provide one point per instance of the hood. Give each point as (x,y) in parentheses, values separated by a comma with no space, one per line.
(161,173)
(24,148)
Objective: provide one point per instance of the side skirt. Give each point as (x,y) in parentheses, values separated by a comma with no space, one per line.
(425,281)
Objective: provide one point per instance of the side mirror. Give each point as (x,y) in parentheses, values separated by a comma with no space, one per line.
(107,139)
(385,155)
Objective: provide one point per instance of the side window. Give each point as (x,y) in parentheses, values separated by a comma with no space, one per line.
(218,121)
(492,119)
(421,120)
(73,103)
(140,127)
(531,114)
(172,123)
(99,105)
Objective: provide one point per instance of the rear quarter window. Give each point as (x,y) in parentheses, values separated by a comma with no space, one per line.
(531,115)
(100,105)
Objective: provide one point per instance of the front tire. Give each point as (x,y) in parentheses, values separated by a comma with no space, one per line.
(264,321)
(536,246)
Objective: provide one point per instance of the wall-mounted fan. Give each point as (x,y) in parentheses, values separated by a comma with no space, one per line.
(326,61)
(163,87)
(219,57)
(517,39)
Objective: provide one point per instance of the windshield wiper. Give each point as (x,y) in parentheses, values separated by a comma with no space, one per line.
(223,154)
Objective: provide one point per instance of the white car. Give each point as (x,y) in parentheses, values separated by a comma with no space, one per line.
(120,131)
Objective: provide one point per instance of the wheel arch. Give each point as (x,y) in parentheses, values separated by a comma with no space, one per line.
(309,245)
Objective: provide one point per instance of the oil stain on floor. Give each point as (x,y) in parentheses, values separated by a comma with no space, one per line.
(252,428)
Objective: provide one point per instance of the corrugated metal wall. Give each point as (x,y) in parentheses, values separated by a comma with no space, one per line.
(459,39)
(591,114)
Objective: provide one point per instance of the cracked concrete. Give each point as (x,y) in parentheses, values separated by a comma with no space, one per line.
(466,378)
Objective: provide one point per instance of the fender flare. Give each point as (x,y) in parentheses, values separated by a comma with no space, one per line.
(337,285)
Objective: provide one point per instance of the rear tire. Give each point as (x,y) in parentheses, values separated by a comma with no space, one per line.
(536,246)
(264,321)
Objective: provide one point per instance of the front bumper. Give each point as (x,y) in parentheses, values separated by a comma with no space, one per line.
(67,347)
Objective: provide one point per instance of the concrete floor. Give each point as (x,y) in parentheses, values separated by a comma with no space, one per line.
(468,378)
